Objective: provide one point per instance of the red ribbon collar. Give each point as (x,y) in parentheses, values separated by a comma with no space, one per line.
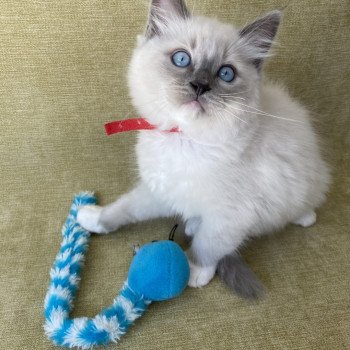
(130,125)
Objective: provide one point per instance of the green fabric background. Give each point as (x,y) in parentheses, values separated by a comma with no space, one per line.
(62,75)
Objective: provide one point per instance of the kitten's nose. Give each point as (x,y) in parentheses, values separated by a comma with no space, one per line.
(200,87)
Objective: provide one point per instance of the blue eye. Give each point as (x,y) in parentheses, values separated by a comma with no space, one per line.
(226,73)
(181,59)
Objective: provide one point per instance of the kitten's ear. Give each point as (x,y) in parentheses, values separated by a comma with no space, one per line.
(259,36)
(161,12)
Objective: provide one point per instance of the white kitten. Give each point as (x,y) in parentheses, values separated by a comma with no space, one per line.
(246,161)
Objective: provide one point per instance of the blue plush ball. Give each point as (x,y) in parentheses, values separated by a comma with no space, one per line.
(159,271)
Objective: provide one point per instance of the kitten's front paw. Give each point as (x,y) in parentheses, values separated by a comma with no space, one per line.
(89,218)
(200,275)
(307,220)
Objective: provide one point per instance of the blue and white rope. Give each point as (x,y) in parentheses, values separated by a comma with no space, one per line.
(83,332)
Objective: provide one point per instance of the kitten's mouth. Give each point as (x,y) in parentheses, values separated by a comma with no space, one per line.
(194,106)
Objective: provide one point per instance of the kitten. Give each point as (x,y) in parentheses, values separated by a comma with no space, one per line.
(246,161)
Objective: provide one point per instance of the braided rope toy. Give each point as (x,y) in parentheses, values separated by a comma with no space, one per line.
(159,271)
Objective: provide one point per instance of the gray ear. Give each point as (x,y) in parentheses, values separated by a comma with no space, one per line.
(260,34)
(161,11)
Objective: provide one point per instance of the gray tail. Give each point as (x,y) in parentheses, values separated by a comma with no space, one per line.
(237,275)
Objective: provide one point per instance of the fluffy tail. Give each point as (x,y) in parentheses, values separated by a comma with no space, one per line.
(233,270)
(83,332)
(239,277)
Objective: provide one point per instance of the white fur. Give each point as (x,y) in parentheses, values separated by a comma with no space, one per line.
(89,216)
(307,220)
(232,175)
(200,275)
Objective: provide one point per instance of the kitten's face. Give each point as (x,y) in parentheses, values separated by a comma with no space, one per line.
(191,70)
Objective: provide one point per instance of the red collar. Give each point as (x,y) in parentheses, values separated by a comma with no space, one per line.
(130,125)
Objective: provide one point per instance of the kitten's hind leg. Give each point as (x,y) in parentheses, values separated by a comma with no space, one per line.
(137,205)
(192,225)
(200,275)
(188,228)
(209,245)
(306,220)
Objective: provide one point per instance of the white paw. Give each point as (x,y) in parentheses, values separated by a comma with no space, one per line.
(89,218)
(307,220)
(200,275)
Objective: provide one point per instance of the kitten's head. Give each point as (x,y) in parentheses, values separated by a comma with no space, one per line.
(191,72)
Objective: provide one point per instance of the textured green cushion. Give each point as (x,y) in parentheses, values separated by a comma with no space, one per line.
(62,75)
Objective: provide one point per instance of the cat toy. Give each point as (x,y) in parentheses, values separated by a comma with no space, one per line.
(159,271)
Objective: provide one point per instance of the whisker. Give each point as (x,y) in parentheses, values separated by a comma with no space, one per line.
(258,111)
(220,103)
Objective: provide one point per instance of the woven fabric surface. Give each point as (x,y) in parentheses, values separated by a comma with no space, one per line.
(62,75)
